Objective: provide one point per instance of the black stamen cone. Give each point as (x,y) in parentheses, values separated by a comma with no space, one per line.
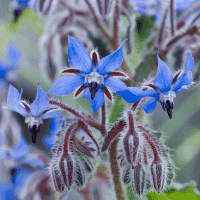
(17,13)
(12,172)
(168,108)
(34,130)
(93,89)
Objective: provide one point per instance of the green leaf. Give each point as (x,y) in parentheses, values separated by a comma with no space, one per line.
(28,17)
(148,65)
(115,109)
(177,192)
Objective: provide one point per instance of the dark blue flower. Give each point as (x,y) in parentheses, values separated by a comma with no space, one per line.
(18,7)
(13,56)
(91,76)
(165,87)
(36,112)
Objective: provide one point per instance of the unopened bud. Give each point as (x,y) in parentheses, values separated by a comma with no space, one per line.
(139,180)
(57,179)
(104,7)
(159,171)
(44,7)
(67,170)
(131,144)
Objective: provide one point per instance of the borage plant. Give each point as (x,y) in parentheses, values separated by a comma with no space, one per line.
(128,159)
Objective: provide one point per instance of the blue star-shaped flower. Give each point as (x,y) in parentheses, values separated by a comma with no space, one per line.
(34,113)
(165,87)
(91,76)
(18,7)
(12,62)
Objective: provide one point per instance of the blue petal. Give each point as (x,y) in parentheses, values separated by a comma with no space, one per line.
(56,125)
(183,80)
(182,88)
(98,100)
(66,85)
(13,54)
(13,101)
(34,162)
(186,78)
(114,84)
(133,94)
(7,192)
(20,177)
(77,56)
(164,77)
(111,62)
(20,151)
(53,114)
(189,63)
(49,142)
(40,104)
(150,105)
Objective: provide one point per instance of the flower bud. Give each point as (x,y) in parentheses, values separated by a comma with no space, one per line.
(44,7)
(67,169)
(57,179)
(139,179)
(104,7)
(159,172)
(131,144)
(80,175)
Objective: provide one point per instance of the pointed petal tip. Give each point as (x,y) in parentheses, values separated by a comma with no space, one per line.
(189,63)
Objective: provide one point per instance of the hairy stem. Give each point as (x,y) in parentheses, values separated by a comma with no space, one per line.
(172,16)
(103,114)
(116,171)
(86,118)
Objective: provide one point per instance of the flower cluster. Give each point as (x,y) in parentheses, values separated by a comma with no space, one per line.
(80,156)
(141,158)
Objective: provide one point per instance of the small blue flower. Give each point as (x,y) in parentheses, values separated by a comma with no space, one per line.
(92,76)
(165,87)
(18,155)
(34,113)
(18,7)
(12,62)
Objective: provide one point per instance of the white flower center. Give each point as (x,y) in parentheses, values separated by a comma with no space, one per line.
(94,77)
(169,96)
(32,121)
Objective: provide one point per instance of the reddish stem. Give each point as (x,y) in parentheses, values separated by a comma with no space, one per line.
(116,171)
(103,114)
(172,16)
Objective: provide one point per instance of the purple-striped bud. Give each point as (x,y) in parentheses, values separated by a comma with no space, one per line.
(159,172)
(126,176)
(131,144)
(80,174)
(104,7)
(139,179)
(57,179)
(44,7)
(67,170)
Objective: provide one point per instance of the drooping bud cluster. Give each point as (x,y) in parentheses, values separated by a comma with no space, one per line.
(142,159)
(104,7)
(73,158)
